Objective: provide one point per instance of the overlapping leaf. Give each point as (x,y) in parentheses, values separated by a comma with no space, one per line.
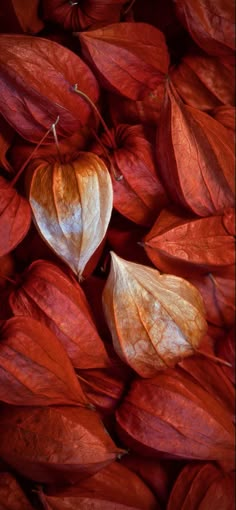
(195,157)
(114,488)
(42,74)
(15,217)
(72,205)
(211,24)
(49,295)
(139,195)
(34,367)
(155,319)
(186,245)
(55,444)
(200,486)
(12,496)
(129,58)
(19,16)
(170,415)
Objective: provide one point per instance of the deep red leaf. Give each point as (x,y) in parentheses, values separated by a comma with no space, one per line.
(12,496)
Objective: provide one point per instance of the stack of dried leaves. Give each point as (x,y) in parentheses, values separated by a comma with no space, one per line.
(117,255)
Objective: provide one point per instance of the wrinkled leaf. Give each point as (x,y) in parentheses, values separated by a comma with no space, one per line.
(55,444)
(15,217)
(155,319)
(50,296)
(139,195)
(202,486)
(210,23)
(72,204)
(114,488)
(196,160)
(226,350)
(12,496)
(34,367)
(172,416)
(129,58)
(186,245)
(42,74)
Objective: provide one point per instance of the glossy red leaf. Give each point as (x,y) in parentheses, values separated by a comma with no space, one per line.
(15,217)
(84,14)
(196,159)
(12,496)
(113,488)
(19,16)
(34,367)
(202,486)
(40,97)
(139,195)
(170,415)
(184,245)
(129,58)
(55,444)
(203,81)
(211,24)
(49,295)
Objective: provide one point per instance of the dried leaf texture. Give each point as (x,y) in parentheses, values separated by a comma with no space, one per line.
(196,159)
(6,138)
(186,245)
(139,195)
(17,16)
(72,206)
(203,81)
(129,58)
(55,445)
(50,296)
(34,367)
(84,14)
(211,24)
(42,74)
(200,486)
(155,319)
(15,217)
(12,496)
(172,416)
(114,488)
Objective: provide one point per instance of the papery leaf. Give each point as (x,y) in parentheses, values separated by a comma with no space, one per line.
(7,267)
(55,444)
(226,116)
(185,245)
(196,160)
(114,488)
(203,81)
(17,16)
(72,204)
(127,111)
(211,24)
(139,196)
(155,319)
(200,486)
(12,496)
(49,295)
(15,217)
(6,137)
(218,293)
(171,416)
(103,388)
(42,74)
(129,58)
(84,14)
(226,350)
(34,367)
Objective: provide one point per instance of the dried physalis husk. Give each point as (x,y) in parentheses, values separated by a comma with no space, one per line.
(72,204)
(155,319)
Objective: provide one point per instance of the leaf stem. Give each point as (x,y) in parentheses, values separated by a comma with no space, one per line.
(213,358)
(95,109)
(17,176)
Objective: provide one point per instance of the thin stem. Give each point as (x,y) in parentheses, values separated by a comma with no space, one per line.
(112,168)
(73,3)
(129,7)
(13,182)
(54,131)
(8,279)
(105,127)
(213,358)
